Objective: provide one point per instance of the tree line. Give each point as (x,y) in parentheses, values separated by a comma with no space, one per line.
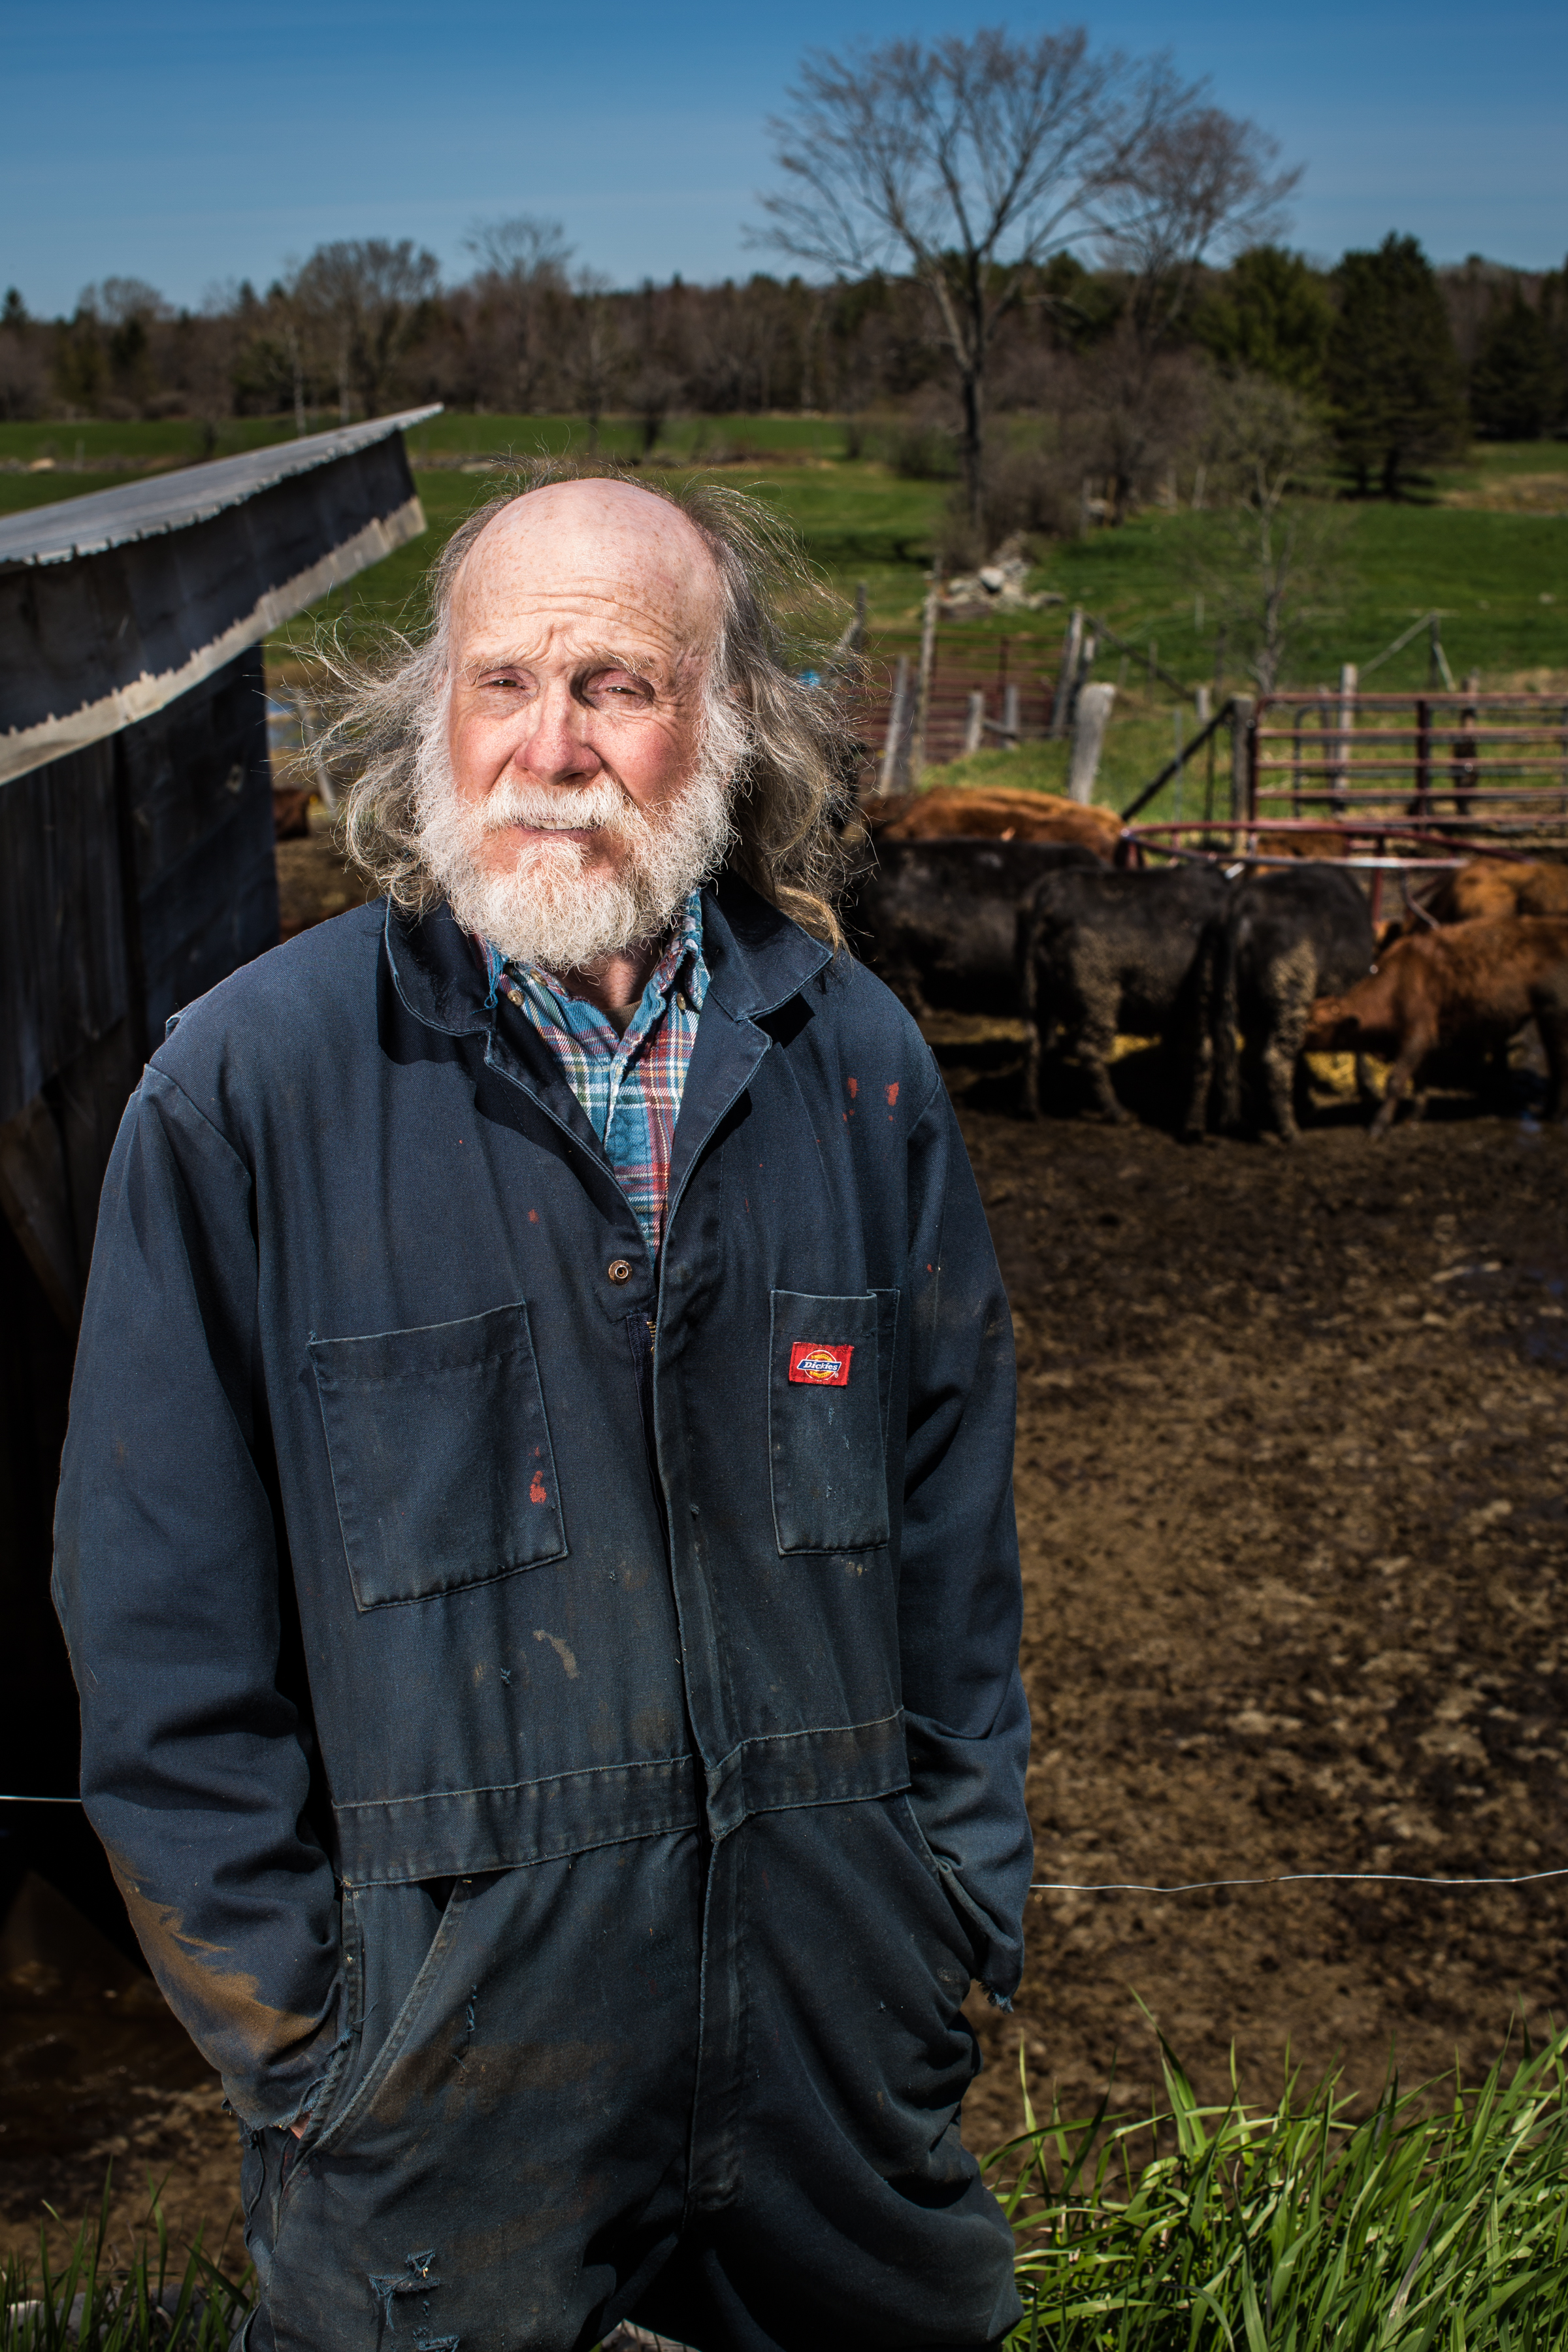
(1041,268)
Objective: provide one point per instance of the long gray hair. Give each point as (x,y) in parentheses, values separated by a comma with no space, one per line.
(793,752)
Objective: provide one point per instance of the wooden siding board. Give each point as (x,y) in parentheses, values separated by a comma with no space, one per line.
(62,943)
(199,793)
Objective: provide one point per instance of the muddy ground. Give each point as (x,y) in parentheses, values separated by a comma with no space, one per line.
(1292,1460)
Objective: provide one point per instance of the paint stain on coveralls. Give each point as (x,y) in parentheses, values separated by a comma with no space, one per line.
(567,1656)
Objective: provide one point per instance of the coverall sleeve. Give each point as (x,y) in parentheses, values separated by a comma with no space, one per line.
(961,1598)
(166,1581)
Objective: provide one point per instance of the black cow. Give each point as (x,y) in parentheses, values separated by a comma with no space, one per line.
(1287,937)
(1123,950)
(939,920)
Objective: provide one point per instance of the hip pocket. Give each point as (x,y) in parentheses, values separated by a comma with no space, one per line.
(402,1993)
(440,1455)
(829,1368)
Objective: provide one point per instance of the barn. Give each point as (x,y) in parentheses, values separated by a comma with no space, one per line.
(136,870)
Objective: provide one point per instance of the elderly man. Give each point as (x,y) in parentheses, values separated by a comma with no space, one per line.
(535,1536)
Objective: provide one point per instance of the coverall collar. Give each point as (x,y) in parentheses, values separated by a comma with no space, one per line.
(757,960)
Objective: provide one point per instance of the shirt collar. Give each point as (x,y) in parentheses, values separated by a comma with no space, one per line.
(756,959)
(680,963)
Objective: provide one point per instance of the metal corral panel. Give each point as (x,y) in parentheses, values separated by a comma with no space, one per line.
(112,605)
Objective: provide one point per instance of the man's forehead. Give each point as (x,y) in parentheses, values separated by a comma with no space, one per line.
(599,557)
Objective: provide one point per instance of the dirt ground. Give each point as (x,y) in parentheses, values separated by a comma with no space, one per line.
(96,2072)
(1292,1465)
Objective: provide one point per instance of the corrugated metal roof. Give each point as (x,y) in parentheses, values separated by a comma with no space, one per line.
(104,518)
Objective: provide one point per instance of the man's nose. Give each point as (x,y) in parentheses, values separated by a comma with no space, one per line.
(555,746)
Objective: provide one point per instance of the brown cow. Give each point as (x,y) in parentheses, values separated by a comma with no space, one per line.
(1465,984)
(1488,886)
(1007,814)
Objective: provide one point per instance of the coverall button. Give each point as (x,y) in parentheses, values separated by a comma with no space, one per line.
(619,1269)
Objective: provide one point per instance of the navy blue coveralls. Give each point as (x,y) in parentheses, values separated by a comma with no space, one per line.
(579,1763)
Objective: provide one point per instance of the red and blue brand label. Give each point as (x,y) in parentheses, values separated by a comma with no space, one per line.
(824,1367)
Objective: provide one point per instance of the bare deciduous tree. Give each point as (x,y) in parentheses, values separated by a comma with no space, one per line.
(595,353)
(966,162)
(24,368)
(1199,182)
(1274,548)
(365,296)
(522,273)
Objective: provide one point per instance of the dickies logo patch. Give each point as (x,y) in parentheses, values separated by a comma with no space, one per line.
(814,1361)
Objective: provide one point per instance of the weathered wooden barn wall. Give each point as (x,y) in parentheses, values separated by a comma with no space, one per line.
(133,875)
(136,871)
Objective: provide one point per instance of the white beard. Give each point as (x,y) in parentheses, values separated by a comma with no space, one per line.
(552,908)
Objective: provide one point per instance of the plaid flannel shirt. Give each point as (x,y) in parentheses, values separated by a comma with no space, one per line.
(630,1086)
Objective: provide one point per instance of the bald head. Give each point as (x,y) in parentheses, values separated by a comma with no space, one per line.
(601,566)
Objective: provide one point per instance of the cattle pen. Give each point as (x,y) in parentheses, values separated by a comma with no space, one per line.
(1393,785)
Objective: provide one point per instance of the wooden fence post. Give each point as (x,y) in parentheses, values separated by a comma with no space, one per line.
(923,684)
(1091,718)
(1344,737)
(1243,781)
(1466,750)
(1422,803)
(1066,676)
(975,723)
(852,644)
(895,772)
(1010,717)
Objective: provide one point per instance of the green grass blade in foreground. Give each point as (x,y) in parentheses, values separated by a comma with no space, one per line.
(93,2302)
(1295,2230)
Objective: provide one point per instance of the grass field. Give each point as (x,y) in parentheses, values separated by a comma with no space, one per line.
(1486,546)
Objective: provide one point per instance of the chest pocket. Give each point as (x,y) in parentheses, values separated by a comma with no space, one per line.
(440,1455)
(827,1413)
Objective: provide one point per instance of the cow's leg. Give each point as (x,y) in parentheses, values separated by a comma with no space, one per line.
(1552,1020)
(1096,1044)
(1293,986)
(1393,1093)
(1279,1079)
(1034,1053)
(1031,1010)
(1401,1083)
(1201,1061)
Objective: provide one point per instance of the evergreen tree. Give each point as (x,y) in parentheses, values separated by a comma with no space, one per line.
(1515,384)
(1392,371)
(1269,315)
(1554,319)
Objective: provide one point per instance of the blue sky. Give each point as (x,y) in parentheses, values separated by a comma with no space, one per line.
(191,145)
